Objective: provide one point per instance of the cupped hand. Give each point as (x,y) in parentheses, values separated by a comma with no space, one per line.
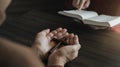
(43,42)
(66,53)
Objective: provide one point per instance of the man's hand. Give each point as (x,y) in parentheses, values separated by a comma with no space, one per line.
(66,53)
(43,42)
(81,4)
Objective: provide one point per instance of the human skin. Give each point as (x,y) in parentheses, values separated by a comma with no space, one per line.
(44,43)
(16,55)
(81,4)
(3,6)
(65,54)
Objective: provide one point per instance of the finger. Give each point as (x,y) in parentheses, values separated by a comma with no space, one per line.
(76,39)
(71,39)
(86,5)
(60,34)
(50,35)
(59,29)
(54,32)
(63,31)
(44,32)
(81,4)
(66,34)
(75,3)
(78,1)
(77,45)
(68,39)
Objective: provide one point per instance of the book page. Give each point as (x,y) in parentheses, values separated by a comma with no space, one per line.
(102,18)
(84,14)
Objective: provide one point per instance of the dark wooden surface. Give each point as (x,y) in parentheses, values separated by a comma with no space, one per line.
(20,7)
(100,48)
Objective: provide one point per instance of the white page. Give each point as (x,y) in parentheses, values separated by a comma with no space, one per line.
(103,18)
(84,14)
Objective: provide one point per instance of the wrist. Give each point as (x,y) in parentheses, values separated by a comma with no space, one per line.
(38,52)
(56,66)
(56,61)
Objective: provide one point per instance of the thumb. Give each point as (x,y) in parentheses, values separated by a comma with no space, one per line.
(44,32)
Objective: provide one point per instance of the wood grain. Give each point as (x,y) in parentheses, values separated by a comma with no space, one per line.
(100,48)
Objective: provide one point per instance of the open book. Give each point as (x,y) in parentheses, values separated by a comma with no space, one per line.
(92,18)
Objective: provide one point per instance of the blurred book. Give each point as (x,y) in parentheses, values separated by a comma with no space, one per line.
(92,17)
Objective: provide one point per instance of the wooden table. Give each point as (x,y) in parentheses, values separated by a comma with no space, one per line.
(100,48)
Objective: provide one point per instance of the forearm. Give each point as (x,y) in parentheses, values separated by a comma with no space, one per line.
(17,55)
(2,17)
(40,54)
(4,4)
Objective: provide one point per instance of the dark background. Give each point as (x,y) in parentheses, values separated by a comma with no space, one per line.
(19,7)
(100,48)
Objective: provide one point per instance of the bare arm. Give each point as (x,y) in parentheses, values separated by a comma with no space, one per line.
(3,6)
(15,55)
